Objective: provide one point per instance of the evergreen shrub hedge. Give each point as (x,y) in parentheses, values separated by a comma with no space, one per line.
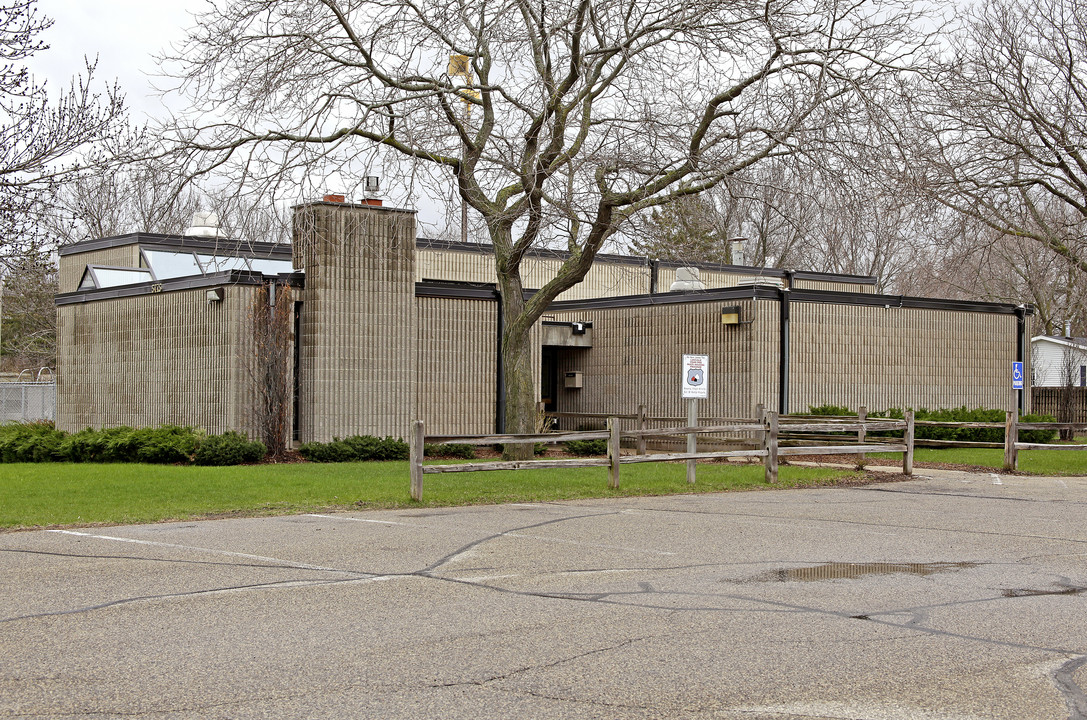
(163,445)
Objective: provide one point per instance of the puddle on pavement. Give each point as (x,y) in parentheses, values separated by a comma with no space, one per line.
(850,571)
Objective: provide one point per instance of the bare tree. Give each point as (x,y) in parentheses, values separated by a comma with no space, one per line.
(29,327)
(999,135)
(1066,398)
(557,121)
(149,195)
(270,368)
(42,140)
(825,216)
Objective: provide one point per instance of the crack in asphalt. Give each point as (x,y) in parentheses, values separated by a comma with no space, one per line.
(836,521)
(174,561)
(170,596)
(1063,678)
(542,666)
(1073,694)
(938,493)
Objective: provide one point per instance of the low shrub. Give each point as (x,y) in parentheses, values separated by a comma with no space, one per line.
(355,448)
(29,442)
(368,447)
(163,445)
(961,414)
(90,445)
(832,410)
(230,448)
(587,447)
(450,450)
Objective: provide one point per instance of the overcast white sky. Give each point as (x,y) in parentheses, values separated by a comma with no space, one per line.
(124,34)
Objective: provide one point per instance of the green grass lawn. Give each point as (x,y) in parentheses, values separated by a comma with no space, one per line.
(50,494)
(1035,462)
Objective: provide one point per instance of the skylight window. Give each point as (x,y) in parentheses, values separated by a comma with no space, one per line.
(219,263)
(171,264)
(101,276)
(271,267)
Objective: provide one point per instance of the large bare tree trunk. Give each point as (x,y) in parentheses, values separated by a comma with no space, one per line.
(518,378)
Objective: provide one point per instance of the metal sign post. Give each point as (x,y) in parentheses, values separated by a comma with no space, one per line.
(1018,381)
(695,386)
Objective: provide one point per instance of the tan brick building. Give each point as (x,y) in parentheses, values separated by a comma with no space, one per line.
(159,329)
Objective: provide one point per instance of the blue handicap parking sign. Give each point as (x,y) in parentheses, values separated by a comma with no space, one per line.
(1017,376)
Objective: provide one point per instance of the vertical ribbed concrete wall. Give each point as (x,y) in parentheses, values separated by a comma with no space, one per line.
(637,358)
(458,353)
(803,284)
(72,266)
(606,278)
(602,280)
(162,358)
(357,372)
(901,357)
(839,354)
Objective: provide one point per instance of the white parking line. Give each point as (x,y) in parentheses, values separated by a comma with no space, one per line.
(585,544)
(228,553)
(365,520)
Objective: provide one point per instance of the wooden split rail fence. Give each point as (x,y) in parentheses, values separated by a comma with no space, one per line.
(1012,446)
(767,429)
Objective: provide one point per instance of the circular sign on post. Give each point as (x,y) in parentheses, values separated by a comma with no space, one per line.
(696,369)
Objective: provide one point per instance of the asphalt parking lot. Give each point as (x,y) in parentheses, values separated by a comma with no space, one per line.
(953,596)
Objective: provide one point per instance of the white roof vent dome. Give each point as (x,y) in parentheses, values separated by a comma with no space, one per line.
(205,224)
(687,279)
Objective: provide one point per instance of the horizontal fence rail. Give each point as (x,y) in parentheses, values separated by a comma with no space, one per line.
(767,430)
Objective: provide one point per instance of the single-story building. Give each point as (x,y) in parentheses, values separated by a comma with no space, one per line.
(1058,361)
(389,328)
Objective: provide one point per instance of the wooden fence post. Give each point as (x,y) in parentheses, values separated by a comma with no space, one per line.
(862,416)
(415,452)
(907,457)
(613,453)
(642,414)
(1011,437)
(771,460)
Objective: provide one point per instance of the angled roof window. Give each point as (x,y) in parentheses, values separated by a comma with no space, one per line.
(103,276)
(218,263)
(166,264)
(271,267)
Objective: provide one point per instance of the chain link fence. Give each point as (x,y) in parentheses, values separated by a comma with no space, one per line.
(30,399)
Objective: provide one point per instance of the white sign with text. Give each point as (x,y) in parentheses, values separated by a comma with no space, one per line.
(696,370)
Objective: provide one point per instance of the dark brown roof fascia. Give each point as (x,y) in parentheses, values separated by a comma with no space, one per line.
(180,242)
(463,291)
(226,277)
(767,292)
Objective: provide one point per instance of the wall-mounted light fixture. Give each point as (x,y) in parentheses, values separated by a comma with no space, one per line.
(730,315)
(215,295)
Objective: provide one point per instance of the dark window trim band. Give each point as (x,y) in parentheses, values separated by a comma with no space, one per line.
(226,277)
(263,250)
(767,292)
